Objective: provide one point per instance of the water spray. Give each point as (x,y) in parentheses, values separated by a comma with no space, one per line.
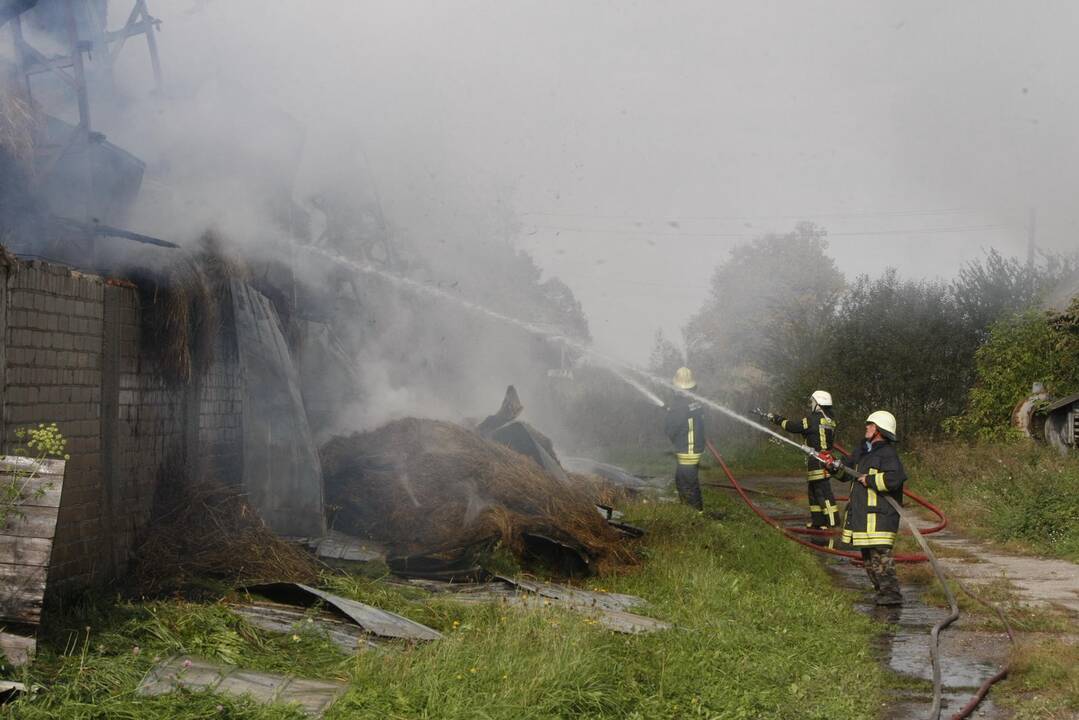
(625,371)
(622,369)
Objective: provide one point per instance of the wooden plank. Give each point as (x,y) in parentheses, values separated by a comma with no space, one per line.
(17,649)
(26,539)
(32,522)
(21,582)
(41,491)
(12,463)
(25,550)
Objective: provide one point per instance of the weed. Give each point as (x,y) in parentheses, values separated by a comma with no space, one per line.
(760,630)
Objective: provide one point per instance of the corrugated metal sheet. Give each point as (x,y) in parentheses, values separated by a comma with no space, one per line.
(197,674)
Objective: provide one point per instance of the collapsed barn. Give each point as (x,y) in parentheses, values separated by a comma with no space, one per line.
(194,381)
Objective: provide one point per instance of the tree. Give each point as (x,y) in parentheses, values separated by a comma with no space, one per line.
(902,346)
(989,289)
(666,357)
(761,326)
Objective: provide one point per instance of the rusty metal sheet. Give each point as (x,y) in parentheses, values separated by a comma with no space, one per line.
(375,621)
(314,697)
(286,619)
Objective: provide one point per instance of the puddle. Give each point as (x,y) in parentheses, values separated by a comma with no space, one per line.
(968,658)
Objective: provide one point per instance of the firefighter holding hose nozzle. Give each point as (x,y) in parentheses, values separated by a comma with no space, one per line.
(685,427)
(872,523)
(818,430)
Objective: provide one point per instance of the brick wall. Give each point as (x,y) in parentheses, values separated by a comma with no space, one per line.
(72,355)
(53,374)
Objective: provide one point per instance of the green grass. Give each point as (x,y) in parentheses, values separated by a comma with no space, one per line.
(760,630)
(1022,495)
(1044,683)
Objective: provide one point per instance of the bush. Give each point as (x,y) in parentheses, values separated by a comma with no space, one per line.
(1022,349)
(1015,492)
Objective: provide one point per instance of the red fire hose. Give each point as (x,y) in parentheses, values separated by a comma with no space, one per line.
(792,534)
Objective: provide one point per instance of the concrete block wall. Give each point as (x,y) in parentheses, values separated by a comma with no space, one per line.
(54,321)
(72,355)
(220,426)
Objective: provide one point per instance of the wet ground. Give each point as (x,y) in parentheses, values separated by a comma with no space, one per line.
(968,656)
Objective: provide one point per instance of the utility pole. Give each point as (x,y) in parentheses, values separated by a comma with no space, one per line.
(1032,227)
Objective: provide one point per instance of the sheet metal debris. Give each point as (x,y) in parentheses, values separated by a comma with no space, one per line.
(346,548)
(10,690)
(373,620)
(198,674)
(287,619)
(611,610)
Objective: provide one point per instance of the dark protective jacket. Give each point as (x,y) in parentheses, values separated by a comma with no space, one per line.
(871,520)
(818,430)
(685,428)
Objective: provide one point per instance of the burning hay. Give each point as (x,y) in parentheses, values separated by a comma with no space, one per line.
(425,486)
(210,532)
(181,310)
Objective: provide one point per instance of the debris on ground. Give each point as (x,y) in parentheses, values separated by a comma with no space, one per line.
(373,620)
(611,610)
(288,620)
(210,531)
(337,547)
(196,674)
(10,690)
(427,486)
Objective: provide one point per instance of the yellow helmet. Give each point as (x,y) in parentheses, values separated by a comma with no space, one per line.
(683,378)
(884,421)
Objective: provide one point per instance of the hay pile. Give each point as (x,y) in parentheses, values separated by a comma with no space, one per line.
(425,486)
(182,306)
(211,532)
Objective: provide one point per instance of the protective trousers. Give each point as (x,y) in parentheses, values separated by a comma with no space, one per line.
(880,567)
(689,489)
(824,513)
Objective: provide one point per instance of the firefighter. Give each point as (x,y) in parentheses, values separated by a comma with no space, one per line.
(818,430)
(685,428)
(872,523)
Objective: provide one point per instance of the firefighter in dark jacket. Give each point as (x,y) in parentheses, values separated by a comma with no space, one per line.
(871,522)
(818,431)
(685,428)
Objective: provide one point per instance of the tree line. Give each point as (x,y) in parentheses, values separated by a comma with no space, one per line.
(782,320)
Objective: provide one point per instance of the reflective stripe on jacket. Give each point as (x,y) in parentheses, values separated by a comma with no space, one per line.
(871,520)
(818,430)
(685,427)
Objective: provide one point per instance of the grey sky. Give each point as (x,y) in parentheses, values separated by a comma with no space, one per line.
(604,122)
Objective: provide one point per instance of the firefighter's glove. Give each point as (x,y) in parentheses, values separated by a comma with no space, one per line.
(830,461)
(775,419)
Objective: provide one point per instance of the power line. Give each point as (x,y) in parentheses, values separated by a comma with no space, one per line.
(690,218)
(851,233)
